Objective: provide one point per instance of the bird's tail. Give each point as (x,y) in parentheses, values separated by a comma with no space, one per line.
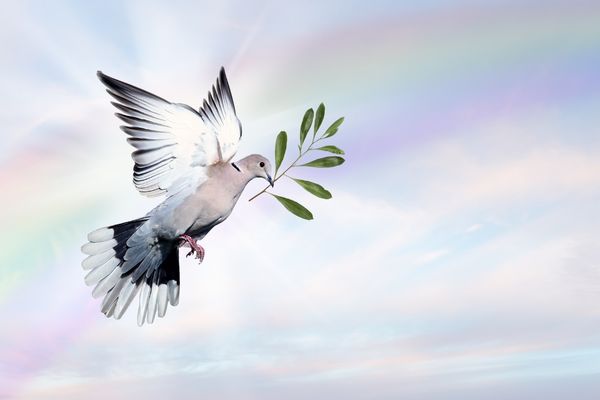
(126,258)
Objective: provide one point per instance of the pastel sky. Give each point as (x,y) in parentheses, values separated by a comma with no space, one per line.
(458,259)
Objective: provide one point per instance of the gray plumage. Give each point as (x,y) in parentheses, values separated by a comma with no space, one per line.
(185,155)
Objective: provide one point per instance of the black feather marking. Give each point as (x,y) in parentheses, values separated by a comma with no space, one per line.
(225,87)
(126,226)
(120,250)
(147,184)
(141,101)
(218,93)
(214,107)
(139,153)
(170,268)
(217,102)
(131,120)
(122,232)
(132,130)
(203,115)
(121,86)
(143,133)
(133,111)
(141,143)
(137,178)
(207,109)
(146,168)
(144,179)
(188,108)
(132,104)
(144,183)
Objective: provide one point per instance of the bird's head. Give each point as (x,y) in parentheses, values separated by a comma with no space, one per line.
(256,166)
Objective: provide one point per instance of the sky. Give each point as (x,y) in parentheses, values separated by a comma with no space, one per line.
(459,257)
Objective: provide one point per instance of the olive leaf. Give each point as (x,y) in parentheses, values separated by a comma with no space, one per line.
(319,118)
(325,162)
(280,147)
(314,188)
(294,207)
(315,120)
(306,123)
(332,130)
(331,149)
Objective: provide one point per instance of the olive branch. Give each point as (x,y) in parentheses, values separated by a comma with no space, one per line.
(324,162)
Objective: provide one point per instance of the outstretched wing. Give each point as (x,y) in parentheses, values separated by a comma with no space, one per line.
(173,141)
(218,111)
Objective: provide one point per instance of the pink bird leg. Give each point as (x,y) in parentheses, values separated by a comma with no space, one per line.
(196,248)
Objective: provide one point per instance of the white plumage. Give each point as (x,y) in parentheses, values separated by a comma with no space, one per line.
(184,154)
(172,138)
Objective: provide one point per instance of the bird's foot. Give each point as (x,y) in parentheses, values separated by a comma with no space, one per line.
(195,247)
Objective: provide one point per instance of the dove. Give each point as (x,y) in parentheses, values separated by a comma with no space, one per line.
(182,154)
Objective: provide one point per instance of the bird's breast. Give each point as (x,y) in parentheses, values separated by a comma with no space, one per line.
(211,207)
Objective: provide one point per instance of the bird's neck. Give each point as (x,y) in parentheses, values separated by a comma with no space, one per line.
(241,176)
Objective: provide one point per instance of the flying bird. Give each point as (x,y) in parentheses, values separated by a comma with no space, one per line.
(182,154)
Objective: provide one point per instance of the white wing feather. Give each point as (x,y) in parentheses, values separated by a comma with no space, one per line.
(218,111)
(174,143)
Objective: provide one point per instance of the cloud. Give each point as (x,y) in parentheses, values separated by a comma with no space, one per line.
(452,262)
(473,228)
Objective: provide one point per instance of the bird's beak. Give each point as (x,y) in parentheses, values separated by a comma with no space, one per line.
(270,180)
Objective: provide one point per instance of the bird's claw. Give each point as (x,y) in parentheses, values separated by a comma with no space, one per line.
(199,253)
(195,247)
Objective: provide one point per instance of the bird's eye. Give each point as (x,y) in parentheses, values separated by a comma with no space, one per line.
(261,164)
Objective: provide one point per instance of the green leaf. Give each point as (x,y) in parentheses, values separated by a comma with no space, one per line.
(306,123)
(314,188)
(332,149)
(319,118)
(280,147)
(325,162)
(294,207)
(332,130)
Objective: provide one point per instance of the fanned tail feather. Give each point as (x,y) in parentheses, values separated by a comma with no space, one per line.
(125,260)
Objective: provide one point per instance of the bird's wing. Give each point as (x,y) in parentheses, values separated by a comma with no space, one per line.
(218,111)
(174,143)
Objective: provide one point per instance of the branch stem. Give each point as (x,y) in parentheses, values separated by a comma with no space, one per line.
(288,168)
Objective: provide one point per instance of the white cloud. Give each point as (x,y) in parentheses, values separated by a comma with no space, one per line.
(473,228)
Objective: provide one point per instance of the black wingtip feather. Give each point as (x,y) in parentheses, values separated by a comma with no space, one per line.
(105,79)
(119,87)
(223,86)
